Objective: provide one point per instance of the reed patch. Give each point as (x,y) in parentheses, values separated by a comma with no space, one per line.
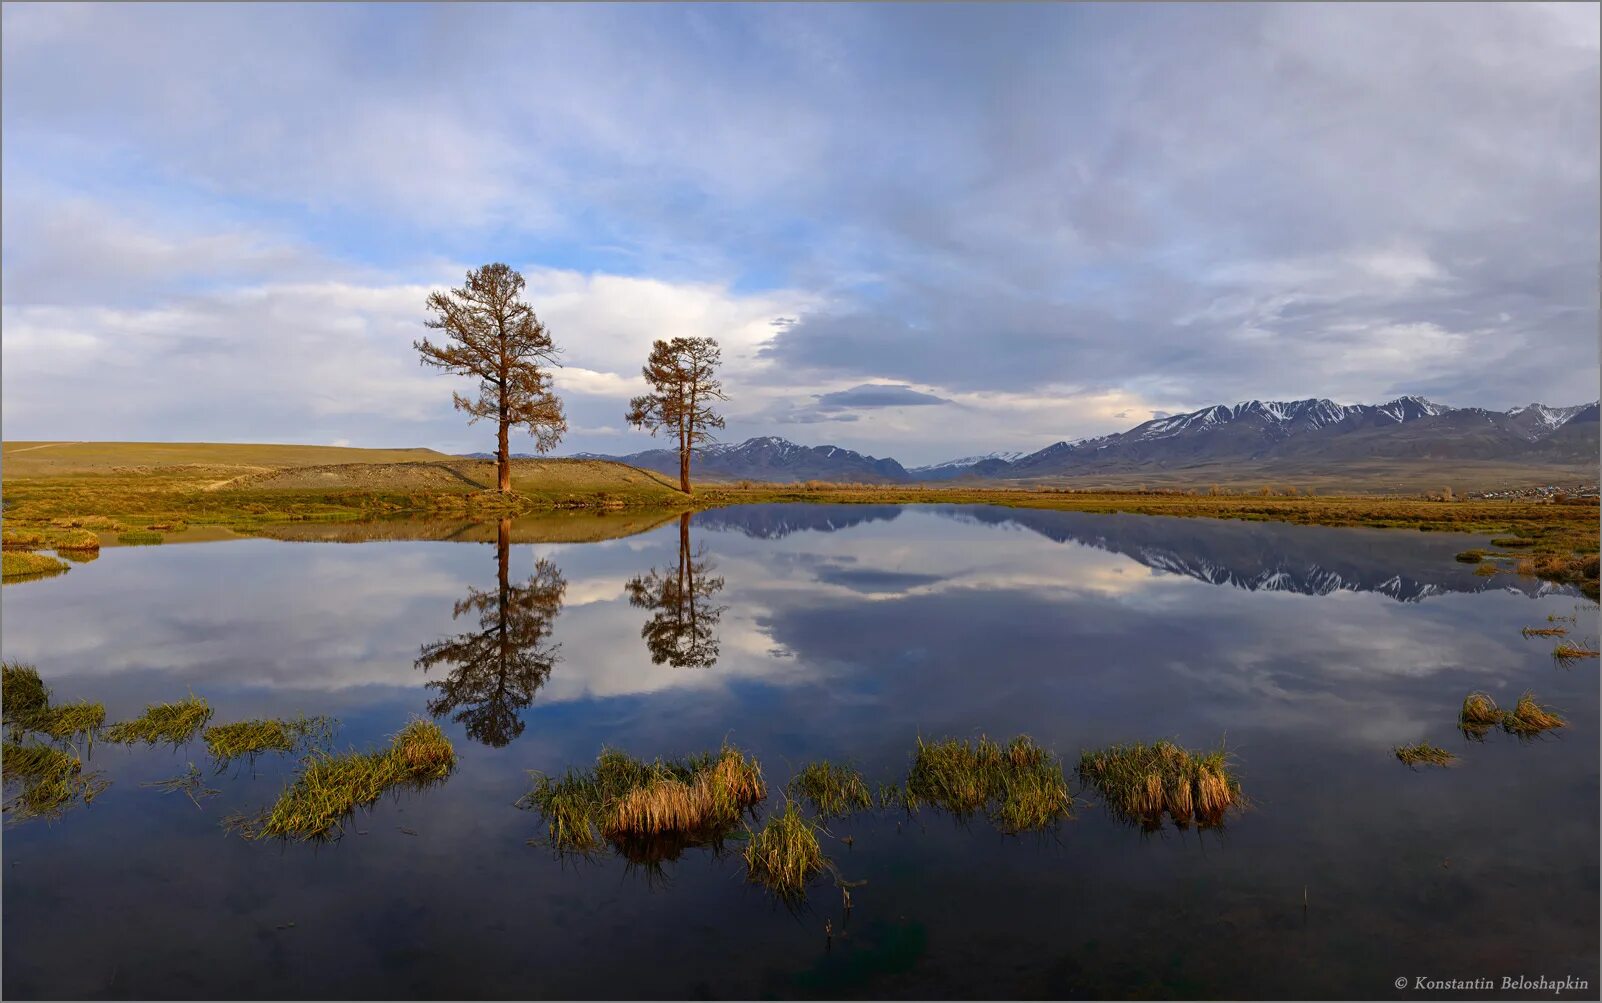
(329,788)
(784,855)
(1019,786)
(164,723)
(248,739)
(1423,754)
(647,810)
(1139,783)
(834,790)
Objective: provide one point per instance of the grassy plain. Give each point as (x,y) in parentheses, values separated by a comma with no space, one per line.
(59,492)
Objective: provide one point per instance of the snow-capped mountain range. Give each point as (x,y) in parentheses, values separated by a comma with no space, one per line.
(1311,433)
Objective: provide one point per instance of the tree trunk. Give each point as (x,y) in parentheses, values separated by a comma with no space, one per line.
(503,459)
(684,461)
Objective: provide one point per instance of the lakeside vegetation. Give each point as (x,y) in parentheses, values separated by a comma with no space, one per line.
(223,490)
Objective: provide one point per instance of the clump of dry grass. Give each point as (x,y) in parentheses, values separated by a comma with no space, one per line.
(1478,716)
(835,791)
(784,854)
(1570,651)
(1471,556)
(20,565)
(1019,786)
(1528,719)
(247,739)
(1139,783)
(173,723)
(329,788)
(647,810)
(1424,754)
(42,781)
(88,522)
(1544,631)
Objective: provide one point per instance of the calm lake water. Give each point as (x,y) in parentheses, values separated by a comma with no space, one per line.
(822,631)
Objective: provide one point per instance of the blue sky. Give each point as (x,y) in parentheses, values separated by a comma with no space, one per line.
(919,231)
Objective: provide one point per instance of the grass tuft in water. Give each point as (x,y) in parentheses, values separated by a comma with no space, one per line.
(1528,719)
(647,811)
(248,739)
(784,854)
(27,707)
(835,791)
(139,538)
(172,723)
(1544,631)
(42,781)
(1471,556)
(1140,782)
(1568,652)
(1478,716)
(330,788)
(1424,754)
(1020,786)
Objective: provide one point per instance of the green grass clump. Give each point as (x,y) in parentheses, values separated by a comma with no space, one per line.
(174,723)
(1423,753)
(647,811)
(784,854)
(1512,541)
(1478,716)
(139,537)
(18,565)
(329,788)
(1140,782)
(1471,556)
(246,739)
(1528,719)
(1020,786)
(27,707)
(835,791)
(42,781)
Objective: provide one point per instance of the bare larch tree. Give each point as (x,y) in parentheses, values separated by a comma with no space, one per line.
(495,336)
(683,390)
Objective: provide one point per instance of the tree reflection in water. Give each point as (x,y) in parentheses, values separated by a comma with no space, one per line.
(496,670)
(682,629)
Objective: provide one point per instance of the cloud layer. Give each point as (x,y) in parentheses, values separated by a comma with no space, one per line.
(1050,221)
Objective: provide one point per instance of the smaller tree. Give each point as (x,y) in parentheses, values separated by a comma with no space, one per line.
(683,389)
(495,336)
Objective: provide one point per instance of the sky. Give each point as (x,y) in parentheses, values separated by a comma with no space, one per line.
(917,231)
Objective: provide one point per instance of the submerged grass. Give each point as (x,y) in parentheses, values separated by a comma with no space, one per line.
(190,783)
(247,739)
(1019,786)
(1141,782)
(172,723)
(834,790)
(1424,754)
(1528,719)
(42,781)
(329,788)
(1544,631)
(647,811)
(784,854)
(1478,716)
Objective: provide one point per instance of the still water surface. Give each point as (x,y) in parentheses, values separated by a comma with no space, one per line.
(800,632)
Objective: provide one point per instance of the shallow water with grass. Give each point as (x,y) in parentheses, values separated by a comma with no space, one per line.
(962,662)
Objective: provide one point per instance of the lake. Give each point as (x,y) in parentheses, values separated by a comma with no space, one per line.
(799,632)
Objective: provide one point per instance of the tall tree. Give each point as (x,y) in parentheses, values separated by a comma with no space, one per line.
(496,670)
(494,335)
(683,390)
(683,624)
